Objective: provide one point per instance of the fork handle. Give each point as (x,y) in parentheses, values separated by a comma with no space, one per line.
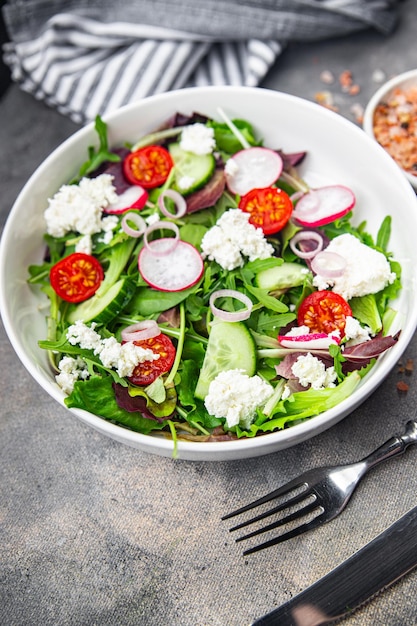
(393,447)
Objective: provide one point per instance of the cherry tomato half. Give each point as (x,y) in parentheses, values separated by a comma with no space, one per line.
(270,208)
(145,373)
(76,277)
(324,312)
(148,166)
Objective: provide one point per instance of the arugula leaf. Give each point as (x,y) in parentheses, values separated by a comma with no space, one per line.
(97,156)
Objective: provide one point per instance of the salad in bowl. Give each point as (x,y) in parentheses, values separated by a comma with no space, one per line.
(200,290)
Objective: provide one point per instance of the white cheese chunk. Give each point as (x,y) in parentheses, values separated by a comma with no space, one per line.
(198,138)
(232,239)
(235,396)
(367,270)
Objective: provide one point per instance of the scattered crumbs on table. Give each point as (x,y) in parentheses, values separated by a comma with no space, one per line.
(402,387)
(327,77)
(378,76)
(409,367)
(325,99)
(357,111)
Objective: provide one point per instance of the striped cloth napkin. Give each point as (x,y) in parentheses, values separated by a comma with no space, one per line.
(89,57)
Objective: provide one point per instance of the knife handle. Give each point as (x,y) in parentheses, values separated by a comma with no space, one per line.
(392,447)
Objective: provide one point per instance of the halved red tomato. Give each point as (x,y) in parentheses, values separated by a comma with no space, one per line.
(76,277)
(324,312)
(145,373)
(148,166)
(270,208)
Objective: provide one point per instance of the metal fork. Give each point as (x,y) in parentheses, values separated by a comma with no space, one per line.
(325,491)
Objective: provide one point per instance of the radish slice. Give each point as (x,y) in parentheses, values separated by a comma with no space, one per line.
(181,268)
(324,205)
(179,202)
(135,197)
(307,236)
(140,331)
(231,316)
(312,341)
(253,168)
(166,245)
(328,264)
(137,220)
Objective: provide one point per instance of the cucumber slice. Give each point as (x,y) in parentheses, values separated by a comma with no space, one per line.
(230,346)
(103,307)
(195,170)
(281,277)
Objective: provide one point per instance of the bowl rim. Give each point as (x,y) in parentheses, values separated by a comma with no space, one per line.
(383,90)
(202,451)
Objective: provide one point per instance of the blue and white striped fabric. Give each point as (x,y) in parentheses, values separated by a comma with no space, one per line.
(89,57)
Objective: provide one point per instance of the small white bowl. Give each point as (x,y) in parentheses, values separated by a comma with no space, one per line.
(404,81)
(337,152)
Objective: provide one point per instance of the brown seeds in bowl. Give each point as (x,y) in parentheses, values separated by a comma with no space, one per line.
(395,127)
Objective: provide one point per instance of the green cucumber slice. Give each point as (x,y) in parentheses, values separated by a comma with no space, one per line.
(194,169)
(281,277)
(104,307)
(230,346)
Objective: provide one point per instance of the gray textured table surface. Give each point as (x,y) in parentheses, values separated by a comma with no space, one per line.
(93,532)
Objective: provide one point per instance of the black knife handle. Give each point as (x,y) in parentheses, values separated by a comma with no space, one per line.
(379,564)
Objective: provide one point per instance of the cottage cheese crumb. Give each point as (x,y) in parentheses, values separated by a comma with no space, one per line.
(198,138)
(233,238)
(84,245)
(79,207)
(122,357)
(70,370)
(236,396)
(367,270)
(354,332)
(311,371)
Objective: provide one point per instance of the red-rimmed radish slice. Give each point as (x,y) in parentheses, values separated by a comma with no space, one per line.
(137,220)
(312,341)
(179,201)
(252,168)
(140,331)
(176,270)
(308,237)
(231,316)
(324,205)
(328,264)
(165,245)
(135,197)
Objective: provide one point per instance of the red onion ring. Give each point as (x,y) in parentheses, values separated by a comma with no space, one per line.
(140,331)
(234,316)
(137,220)
(306,235)
(179,201)
(322,260)
(169,243)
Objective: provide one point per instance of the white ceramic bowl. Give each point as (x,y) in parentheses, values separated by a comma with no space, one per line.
(403,81)
(338,152)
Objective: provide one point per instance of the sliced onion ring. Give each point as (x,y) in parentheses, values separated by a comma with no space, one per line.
(328,264)
(179,201)
(306,235)
(234,316)
(168,243)
(137,220)
(140,331)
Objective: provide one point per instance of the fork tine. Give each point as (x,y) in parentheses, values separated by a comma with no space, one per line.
(276,509)
(314,523)
(281,491)
(284,520)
